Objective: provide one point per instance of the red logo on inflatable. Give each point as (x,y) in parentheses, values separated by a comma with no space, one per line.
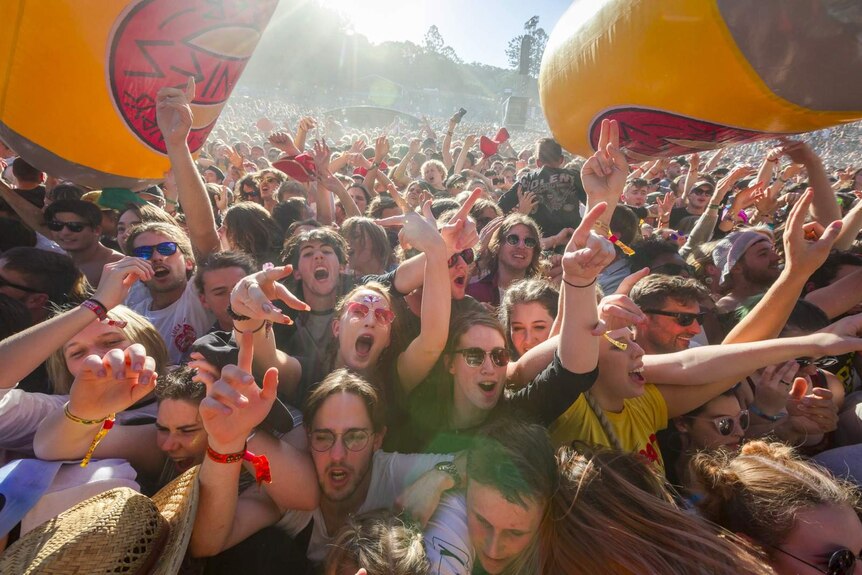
(646,133)
(161,43)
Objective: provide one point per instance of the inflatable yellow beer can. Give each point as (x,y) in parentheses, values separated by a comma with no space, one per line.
(78,79)
(683,76)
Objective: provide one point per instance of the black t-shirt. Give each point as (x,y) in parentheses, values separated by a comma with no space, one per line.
(559,195)
(35,196)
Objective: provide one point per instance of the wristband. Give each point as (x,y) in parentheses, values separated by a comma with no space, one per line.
(259,462)
(451,470)
(773,418)
(266,324)
(70,416)
(583,286)
(374,166)
(107,424)
(101,312)
(714,206)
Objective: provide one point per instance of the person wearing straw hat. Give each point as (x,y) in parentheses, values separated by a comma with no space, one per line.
(117,531)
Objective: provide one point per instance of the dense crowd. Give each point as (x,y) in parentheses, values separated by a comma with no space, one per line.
(439,348)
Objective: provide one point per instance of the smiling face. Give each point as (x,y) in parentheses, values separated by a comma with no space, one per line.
(620,370)
(664,334)
(517,257)
(362,337)
(699,197)
(477,389)
(180,433)
(170,273)
(75,241)
(530,324)
(760,264)
(342,473)
(318,268)
(500,530)
(97,338)
(818,532)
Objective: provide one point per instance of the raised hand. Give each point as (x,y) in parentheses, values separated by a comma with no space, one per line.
(774,386)
(174,113)
(381,149)
(587,253)
(112,383)
(604,173)
(118,277)
(526,202)
(284,142)
(460,236)
(321,155)
(234,404)
(418,231)
(252,296)
(803,257)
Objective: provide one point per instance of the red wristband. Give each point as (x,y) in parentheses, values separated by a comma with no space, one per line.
(259,462)
(101,312)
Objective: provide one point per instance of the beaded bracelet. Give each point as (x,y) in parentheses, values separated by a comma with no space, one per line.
(259,462)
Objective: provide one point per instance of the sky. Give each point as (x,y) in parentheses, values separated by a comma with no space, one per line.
(478,30)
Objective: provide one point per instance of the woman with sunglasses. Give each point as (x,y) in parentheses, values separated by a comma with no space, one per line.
(467,388)
(247,189)
(512,255)
(803,519)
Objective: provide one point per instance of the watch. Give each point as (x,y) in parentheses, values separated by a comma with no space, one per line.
(451,470)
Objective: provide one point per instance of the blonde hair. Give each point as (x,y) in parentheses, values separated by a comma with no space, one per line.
(382,543)
(138,329)
(613,514)
(759,491)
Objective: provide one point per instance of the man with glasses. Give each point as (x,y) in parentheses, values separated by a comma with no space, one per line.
(672,312)
(77,227)
(344,427)
(696,201)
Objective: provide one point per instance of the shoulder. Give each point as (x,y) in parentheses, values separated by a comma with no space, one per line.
(447,539)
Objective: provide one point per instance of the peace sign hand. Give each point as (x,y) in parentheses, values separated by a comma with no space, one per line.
(604,173)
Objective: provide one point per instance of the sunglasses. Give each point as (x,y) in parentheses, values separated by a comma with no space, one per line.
(725,424)
(701,192)
(353,439)
(841,562)
(146,252)
(56,226)
(475,356)
(827,362)
(515,239)
(467,255)
(382,315)
(251,195)
(682,318)
(5,283)
(270,180)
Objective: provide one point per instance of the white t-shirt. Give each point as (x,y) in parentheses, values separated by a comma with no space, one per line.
(179,324)
(447,539)
(391,473)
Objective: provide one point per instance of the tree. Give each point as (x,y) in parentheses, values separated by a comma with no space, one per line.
(434,40)
(538,37)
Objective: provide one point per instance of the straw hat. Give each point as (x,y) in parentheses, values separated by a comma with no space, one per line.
(118,531)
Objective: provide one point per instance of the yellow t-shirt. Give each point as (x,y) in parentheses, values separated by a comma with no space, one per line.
(636,425)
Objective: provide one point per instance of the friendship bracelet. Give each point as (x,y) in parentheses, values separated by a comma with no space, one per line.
(759,413)
(263,325)
(107,424)
(81,420)
(714,206)
(101,312)
(583,286)
(259,462)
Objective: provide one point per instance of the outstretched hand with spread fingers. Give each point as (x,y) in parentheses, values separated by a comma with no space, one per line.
(253,295)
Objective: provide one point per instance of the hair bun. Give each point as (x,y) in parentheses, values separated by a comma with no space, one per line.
(775,451)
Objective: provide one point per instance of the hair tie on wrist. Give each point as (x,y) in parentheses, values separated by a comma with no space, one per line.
(583,286)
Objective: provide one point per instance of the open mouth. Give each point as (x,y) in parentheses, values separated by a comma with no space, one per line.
(637,375)
(364,343)
(321,274)
(184,464)
(161,272)
(460,281)
(488,386)
(338,476)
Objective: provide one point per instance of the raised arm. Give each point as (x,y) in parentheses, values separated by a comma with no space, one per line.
(175,119)
(605,178)
(462,157)
(446,147)
(23,352)
(399,175)
(233,407)
(29,214)
(824,208)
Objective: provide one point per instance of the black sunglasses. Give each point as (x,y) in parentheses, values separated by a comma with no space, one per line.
(841,562)
(146,252)
(475,356)
(467,255)
(56,226)
(5,282)
(515,239)
(701,191)
(682,318)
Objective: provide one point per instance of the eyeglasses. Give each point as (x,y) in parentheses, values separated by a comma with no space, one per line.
(146,252)
(475,356)
(384,316)
(467,255)
(841,562)
(682,318)
(701,192)
(826,362)
(4,283)
(76,227)
(515,239)
(269,180)
(353,439)
(725,424)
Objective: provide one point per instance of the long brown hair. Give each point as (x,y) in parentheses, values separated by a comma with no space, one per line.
(613,514)
(499,237)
